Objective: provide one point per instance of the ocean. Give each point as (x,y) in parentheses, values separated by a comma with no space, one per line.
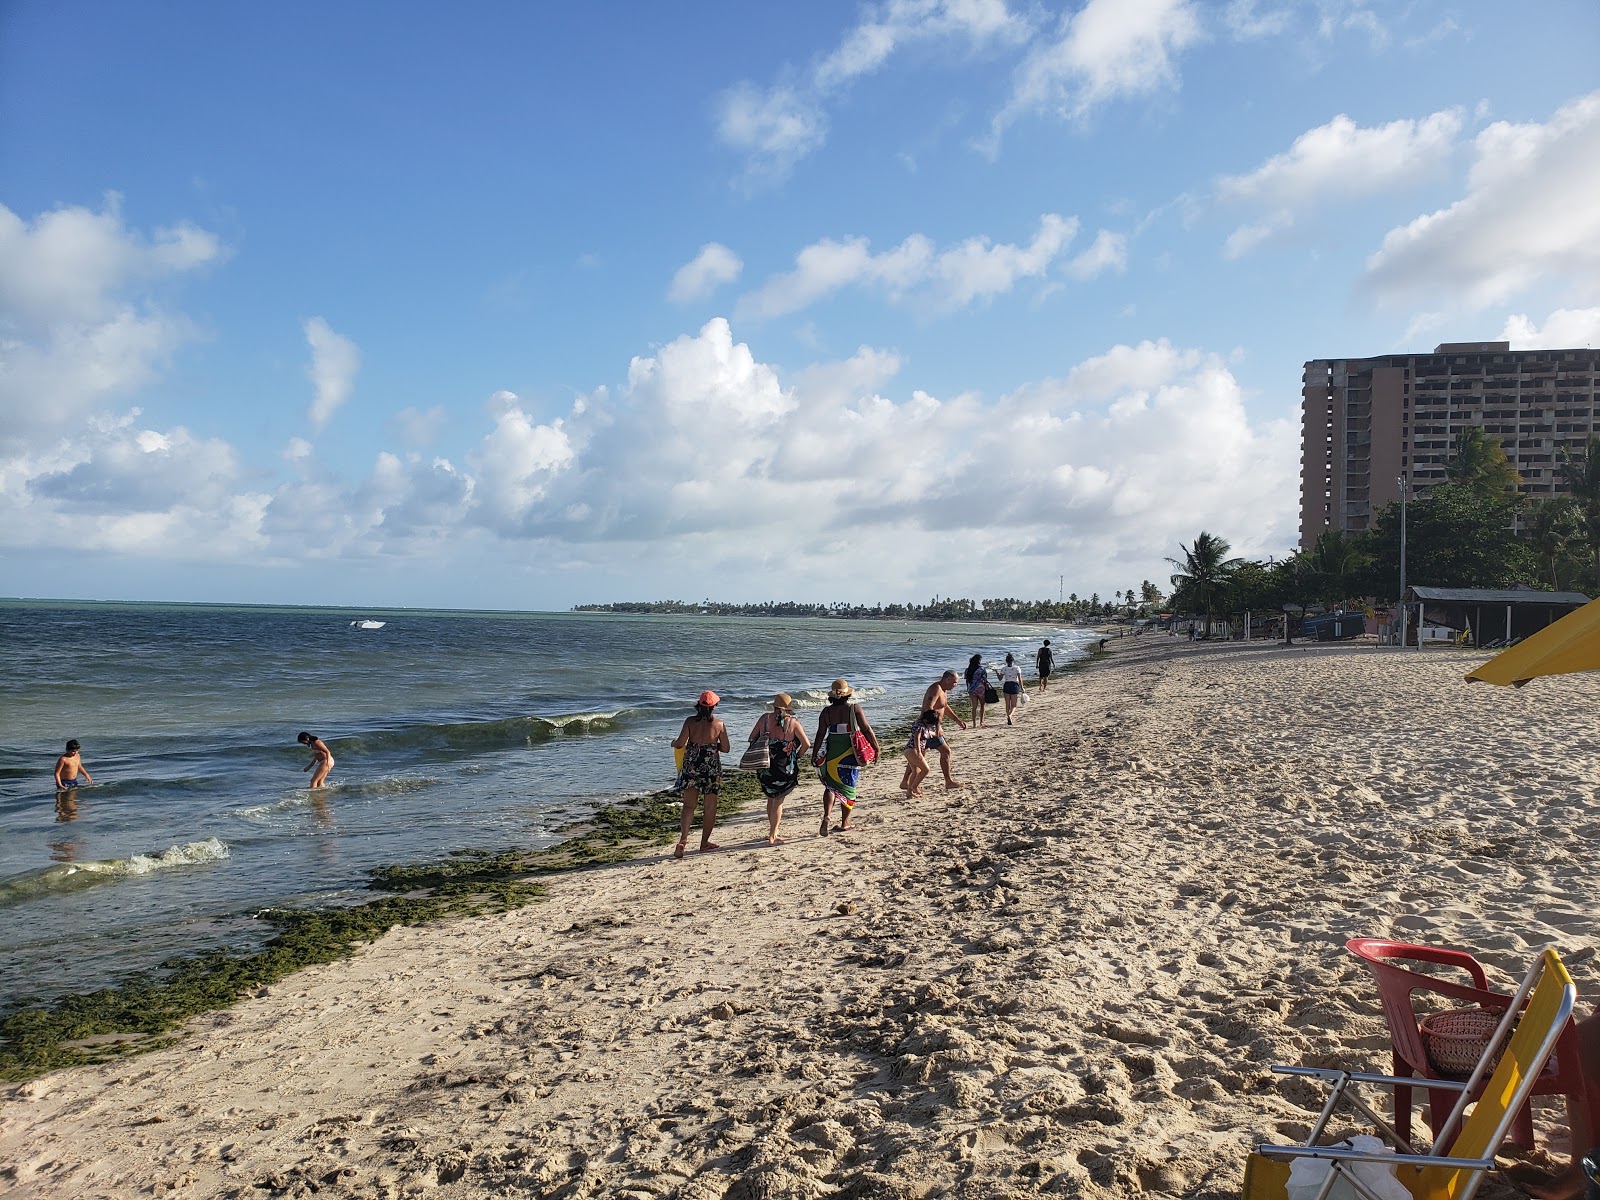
(451,730)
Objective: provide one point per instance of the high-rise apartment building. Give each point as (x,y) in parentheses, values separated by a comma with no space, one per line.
(1368,421)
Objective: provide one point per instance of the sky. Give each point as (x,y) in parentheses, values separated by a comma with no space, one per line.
(506,305)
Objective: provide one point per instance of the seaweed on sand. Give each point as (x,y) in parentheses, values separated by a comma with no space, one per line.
(145,1010)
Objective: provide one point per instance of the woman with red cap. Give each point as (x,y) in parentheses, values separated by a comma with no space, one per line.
(703,740)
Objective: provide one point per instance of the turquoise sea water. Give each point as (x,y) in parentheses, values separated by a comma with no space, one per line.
(451,730)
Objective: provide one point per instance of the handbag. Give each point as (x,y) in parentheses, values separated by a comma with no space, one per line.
(865,754)
(756,756)
(990,696)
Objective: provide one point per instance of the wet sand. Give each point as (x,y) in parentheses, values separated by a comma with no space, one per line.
(1069,978)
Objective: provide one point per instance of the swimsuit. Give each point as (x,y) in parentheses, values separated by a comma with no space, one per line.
(702,768)
(923,739)
(782,771)
(69,783)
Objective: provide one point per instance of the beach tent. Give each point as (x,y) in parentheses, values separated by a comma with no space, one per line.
(1569,645)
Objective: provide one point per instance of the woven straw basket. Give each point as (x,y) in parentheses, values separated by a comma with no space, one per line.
(1456,1039)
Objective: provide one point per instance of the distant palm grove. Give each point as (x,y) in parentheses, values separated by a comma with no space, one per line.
(1073,608)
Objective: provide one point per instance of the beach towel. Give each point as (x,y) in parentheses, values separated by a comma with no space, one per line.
(840,769)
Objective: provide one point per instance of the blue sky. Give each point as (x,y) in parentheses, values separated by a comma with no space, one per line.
(521,306)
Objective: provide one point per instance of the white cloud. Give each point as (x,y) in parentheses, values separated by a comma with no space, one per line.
(419,428)
(697,279)
(335,360)
(977,269)
(1528,216)
(1338,161)
(1109,252)
(1105,51)
(297,449)
(1564,329)
(707,456)
(775,127)
(1246,22)
(80,330)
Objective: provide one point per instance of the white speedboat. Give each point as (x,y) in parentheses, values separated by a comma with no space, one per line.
(367,624)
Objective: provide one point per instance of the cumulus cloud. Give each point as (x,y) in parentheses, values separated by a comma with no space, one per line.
(335,360)
(704,455)
(1338,161)
(775,127)
(976,269)
(698,278)
(1109,252)
(80,327)
(1106,50)
(1564,329)
(1528,217)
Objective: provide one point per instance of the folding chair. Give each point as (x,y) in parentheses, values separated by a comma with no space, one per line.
(1464,1150)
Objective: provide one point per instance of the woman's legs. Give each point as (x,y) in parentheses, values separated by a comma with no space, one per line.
(827,810)
(708,822)
(690,795)
(1011,706)
(775,817)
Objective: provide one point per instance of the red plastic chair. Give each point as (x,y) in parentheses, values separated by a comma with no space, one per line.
(1396,986)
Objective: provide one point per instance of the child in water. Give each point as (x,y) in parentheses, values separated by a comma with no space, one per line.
(70,771)
(321,758)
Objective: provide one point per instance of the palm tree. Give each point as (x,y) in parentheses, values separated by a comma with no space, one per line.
(1555,524)
(1583,481)
(1479,462)
(1203,573)
(1335,560)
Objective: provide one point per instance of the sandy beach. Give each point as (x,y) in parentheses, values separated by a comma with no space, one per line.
(1069,978)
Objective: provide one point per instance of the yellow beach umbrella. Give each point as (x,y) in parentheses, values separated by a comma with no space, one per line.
(1565,647)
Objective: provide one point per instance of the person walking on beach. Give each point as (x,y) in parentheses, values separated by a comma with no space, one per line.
(978,689)
(703,740)
(70,771)
(786,742)
(321,758)
(937,698)
(835,756)
(1011,685)
(924,731)
(1045,660)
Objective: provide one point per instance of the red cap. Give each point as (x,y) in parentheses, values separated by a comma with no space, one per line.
(709,698)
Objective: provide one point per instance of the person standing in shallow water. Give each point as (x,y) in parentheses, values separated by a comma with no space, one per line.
(70,771)
(703,740)
(835,753)
(321,758)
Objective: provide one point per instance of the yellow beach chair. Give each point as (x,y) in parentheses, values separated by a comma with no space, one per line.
(1465,1148)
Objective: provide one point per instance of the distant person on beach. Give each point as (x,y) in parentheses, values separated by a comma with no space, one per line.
(1011,686)
(924,732)
(321,758)
(1045,660)
(834,753)
(70,771)
(977,689)
(786,742)
(937,698)
(703,740)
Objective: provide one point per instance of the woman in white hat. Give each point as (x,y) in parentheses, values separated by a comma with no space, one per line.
(835,755)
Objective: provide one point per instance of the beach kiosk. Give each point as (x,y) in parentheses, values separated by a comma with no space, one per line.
(1490,616)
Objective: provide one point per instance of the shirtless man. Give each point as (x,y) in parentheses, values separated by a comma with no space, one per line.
(70,771)
(937,698)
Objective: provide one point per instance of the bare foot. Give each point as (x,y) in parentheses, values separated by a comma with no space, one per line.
(774,841)
(677,851)
(704,846)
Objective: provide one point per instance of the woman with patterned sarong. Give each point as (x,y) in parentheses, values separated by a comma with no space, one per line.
(835,753)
